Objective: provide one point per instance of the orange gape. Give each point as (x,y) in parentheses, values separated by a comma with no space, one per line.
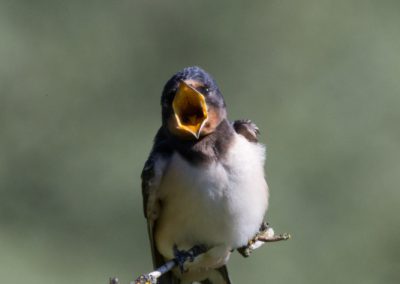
(190,111)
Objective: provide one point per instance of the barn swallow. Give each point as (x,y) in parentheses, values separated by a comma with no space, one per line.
(203,183)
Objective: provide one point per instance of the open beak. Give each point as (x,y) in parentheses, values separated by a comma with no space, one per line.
(190,109)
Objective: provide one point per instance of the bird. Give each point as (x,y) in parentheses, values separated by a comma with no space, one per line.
(203,183)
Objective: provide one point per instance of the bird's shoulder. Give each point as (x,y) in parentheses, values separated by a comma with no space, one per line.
(247,128)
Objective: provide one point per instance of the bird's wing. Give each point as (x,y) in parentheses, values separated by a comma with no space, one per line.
(152,174)
(224,273)
(247,128)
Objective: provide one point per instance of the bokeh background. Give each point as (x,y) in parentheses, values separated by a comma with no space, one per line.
(80,84)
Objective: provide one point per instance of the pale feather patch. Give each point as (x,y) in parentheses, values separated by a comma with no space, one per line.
(222,203)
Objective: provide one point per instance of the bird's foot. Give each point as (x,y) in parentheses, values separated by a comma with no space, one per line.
(266,234)
(246,250)
(182,256)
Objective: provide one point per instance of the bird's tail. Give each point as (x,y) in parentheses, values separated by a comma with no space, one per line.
(168,278)
(224,273)
(222,277)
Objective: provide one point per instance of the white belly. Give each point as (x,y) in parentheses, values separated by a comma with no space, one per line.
(222,203)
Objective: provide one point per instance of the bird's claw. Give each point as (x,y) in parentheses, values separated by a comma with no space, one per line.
(246,250)
(182,256)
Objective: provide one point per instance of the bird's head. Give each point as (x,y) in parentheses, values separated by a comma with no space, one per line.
(192,105)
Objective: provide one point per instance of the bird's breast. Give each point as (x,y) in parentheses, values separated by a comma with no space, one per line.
(222,202)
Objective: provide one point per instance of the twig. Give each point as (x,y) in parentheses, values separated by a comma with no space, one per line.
(265,235)
(277,238)
(151,278)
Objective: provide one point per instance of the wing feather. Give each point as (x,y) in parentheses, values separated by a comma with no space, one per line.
(247,128)
(152,174)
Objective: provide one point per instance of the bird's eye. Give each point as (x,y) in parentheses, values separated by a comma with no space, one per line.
(203,89)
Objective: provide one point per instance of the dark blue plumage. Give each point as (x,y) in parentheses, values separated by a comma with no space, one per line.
(209,89)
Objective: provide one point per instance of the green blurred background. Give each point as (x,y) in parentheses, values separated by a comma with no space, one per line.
(80,85)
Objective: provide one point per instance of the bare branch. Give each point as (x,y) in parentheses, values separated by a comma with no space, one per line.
(281,237)
(151,278)
(265,235)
